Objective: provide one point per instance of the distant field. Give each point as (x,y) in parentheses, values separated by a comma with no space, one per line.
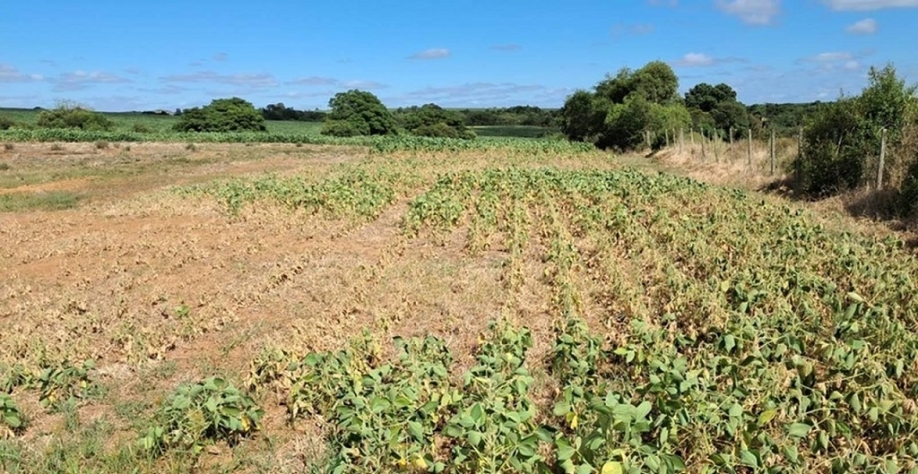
(125,122)
(518,131)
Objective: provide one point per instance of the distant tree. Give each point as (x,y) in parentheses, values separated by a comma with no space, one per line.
(357,112)
(706,97)
(731,115)
(657,83)
(222,115)
(715,108)
(431,120)
(6,123)
(74,116)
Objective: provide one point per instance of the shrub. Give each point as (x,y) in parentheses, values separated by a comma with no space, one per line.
(57,147)
(910,190)
(836,143)
(6,123)
(8,146)
(4,166)
(222,115)
(101,145)
(67,116)
(202,413)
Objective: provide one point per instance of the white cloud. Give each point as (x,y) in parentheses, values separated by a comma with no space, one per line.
(703,60)
(866,5)
(315,81)
(832,56)
(754,12)
(695,59)
(432,53)
(9,74)
(867,26)
(364,85)
(211,77)
(79,80)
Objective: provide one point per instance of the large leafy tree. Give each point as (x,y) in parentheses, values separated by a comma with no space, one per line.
(623,107)
(357,112)
(222,115)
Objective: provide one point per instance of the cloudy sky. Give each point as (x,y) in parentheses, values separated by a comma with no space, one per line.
(127,55)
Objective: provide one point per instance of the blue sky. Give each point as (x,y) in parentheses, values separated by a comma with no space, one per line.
(133,55)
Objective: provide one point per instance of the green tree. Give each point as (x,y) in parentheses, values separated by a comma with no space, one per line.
(730,115)
(885,101)
(357,112)
(624,107)
(222,115)
(582,117)
(657,83)
(431,120)
(706,97)
(74,116)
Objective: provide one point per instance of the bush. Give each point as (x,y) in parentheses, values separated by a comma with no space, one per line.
(222,115)
(835,145)
(101,145)
(67,116)
(355,113)
(8,146)
(910,190)
(6,124)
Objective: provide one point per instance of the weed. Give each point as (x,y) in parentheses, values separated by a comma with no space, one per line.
(8,146)
(101,145)
(191,147)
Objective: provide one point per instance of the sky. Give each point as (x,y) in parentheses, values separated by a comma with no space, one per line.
(144,55)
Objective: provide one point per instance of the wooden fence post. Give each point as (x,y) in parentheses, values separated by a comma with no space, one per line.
(749,151)
(731,137)
(681,139)
(882,158)
(800,158)
(773,152)
(703,155)
(692,136)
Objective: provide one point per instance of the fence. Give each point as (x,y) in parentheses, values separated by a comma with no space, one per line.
(766,154)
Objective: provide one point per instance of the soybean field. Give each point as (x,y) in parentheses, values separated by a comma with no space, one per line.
(420,305)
